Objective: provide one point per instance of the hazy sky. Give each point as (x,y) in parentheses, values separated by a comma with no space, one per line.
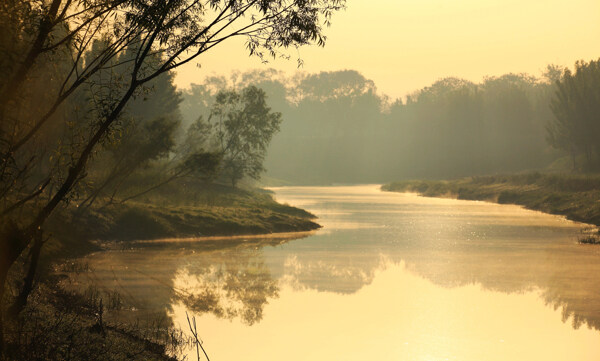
(404,45)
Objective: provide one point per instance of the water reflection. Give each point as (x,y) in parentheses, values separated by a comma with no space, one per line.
(399,316)
(227,284)
(345,274)
(451,243)
(399,276)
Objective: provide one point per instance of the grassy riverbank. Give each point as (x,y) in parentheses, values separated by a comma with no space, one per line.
(216,211)
(59,324)
(575,196)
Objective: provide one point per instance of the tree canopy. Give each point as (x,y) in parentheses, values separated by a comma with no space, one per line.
(576,107)
(56,53)
(341,128)
(239,128)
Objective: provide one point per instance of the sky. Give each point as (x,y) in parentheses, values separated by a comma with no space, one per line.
(405,45)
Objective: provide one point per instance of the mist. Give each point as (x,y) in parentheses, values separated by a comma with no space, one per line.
(338,128)
(377,180)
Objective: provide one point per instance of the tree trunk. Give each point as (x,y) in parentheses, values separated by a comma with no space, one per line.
(12,242)
(76,170)
(3,273)
(21,299)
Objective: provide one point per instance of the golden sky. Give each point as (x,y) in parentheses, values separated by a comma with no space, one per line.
(404,45)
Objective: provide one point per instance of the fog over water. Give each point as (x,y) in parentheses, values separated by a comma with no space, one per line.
(249,167)
(393,275)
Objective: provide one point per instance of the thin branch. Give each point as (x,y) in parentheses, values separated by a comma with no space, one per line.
(213,43)
(165,67)
(26,199)
(156,186)
(71,34)
(197,341)
(102,59)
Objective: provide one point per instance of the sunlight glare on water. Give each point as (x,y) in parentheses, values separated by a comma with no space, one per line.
(389,277)
(399,316)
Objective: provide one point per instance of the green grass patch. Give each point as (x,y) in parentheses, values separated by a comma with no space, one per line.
(233,213)
(211,211)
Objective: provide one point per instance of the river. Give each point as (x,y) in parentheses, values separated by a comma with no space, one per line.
(390,276)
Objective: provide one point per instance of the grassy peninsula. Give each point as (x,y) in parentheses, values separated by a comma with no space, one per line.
(62,324)
(576,196)
(213,210)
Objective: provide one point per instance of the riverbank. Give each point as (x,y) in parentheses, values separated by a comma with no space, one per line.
(219,211)
(58,323)
(577,197)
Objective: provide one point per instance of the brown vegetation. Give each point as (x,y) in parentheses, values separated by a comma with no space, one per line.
(575,196)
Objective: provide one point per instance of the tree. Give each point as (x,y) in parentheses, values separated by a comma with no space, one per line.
(146,135)
(576,107)
(177,30)
(242,126)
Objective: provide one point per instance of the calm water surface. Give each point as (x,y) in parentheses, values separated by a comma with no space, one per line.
(389,277)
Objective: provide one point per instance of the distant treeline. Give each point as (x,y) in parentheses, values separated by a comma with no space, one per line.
(337,128)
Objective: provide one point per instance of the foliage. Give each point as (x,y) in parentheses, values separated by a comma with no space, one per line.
(589,239)
(70,72)
(576,107)
(341,128)
(179,209)
(146,133)
(241,126)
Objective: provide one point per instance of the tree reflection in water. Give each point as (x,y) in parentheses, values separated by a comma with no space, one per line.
(230,285)
(449,243)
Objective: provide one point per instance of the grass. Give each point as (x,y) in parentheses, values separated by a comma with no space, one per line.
(213,211)
(147,221)
(60,325)
(589,239)
(574,196)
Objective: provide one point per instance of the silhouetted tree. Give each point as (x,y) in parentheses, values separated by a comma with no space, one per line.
(179,30)
(242,127)
(576,107)
(147,133)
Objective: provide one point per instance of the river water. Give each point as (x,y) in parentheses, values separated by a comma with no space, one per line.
(390,276)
